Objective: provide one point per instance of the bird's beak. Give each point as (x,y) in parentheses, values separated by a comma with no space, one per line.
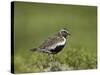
(69,34)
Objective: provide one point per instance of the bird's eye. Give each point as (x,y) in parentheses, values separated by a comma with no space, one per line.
(64,32)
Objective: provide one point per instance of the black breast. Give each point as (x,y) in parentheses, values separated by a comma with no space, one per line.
(57,49)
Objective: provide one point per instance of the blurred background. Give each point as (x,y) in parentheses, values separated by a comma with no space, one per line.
(35,22)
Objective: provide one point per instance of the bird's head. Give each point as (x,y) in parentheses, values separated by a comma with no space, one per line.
(64,32)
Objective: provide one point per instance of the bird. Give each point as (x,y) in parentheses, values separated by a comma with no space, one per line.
(53,44)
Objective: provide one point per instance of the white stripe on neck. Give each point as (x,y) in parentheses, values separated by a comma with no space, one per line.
(58,44)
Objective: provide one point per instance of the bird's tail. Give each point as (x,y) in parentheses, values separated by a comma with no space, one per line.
(34,49)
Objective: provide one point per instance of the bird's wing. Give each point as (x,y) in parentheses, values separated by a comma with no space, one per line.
(52,43)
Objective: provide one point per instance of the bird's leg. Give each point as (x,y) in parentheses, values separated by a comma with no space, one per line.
(53,58)
(52,61)
(50,57)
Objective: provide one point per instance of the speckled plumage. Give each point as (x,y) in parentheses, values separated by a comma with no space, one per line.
(54,44)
